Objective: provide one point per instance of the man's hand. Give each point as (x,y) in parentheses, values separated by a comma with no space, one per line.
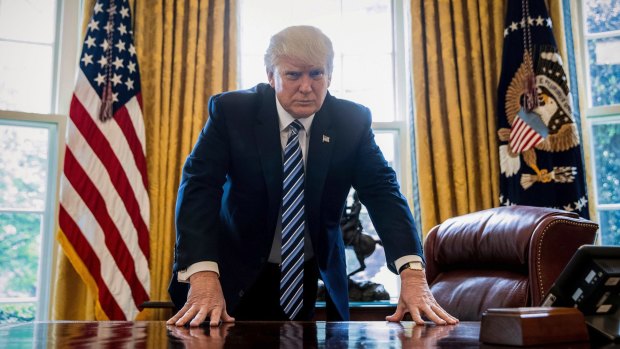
(416,298)
(205,298)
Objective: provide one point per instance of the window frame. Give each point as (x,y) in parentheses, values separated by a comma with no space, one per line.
(403,104)
(67,40)
(67,53)
(593,115)
(594,120)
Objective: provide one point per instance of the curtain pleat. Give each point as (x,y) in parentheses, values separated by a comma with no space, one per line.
(456,60)
(187,52)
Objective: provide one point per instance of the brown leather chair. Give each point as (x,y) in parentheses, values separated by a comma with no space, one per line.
(501,257)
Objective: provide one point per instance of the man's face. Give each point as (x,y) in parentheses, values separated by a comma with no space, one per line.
(300,87)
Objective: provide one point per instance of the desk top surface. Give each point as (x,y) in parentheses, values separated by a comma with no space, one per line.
(152,334)
(245,334)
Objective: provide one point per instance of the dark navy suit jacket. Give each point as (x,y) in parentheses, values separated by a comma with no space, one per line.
(230,192)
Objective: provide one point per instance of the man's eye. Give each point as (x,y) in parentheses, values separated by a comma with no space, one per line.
(316,74)
(293,75)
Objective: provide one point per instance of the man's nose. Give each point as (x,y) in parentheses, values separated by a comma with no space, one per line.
(305,85)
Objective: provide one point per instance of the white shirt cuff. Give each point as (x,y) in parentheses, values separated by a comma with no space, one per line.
(406,259)
(183,275)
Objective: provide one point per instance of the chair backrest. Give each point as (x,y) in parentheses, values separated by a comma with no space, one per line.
(501,257)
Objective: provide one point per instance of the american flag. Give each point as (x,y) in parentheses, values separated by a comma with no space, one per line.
(104,204)
(526,134)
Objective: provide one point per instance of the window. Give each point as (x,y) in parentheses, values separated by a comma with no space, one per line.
(28,180)
(601,44)
(34,78)
(367,35)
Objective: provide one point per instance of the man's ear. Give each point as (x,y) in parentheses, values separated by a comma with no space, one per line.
(270,79)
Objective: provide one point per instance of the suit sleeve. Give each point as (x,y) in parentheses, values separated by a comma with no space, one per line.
(200,193)
(378,189)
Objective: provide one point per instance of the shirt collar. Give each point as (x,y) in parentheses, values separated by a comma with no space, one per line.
(285,118)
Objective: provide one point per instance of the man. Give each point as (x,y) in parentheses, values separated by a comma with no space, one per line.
(263,191)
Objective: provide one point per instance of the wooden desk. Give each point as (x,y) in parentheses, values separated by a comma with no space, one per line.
(150,334)
(156,334)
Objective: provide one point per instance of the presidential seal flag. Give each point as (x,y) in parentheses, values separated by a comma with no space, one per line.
(539,147)
(104,204)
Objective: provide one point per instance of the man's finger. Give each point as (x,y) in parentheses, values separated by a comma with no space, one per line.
(428,311)
(444,314)
(187,316)
(226,317)
(397,316)
(216,313)
(199,318)
(415,316)
(178,315)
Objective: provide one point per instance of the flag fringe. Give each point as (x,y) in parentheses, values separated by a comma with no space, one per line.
(83,272)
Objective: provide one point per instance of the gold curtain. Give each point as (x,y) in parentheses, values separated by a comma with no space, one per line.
(457,49)
(187,52)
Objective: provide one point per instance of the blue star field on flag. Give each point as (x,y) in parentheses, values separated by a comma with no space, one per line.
(109,55)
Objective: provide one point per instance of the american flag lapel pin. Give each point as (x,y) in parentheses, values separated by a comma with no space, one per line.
(325,139)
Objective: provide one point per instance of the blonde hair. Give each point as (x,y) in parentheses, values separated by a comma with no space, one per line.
(305,43)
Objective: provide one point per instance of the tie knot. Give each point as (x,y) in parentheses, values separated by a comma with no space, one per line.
(296,126)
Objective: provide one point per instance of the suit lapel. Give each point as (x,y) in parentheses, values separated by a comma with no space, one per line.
(267,132)
(319,156)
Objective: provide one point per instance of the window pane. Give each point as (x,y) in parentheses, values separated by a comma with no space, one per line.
(27,207)
(31,20)
(324,14)
(374,89)
(253,71)
(23,169)
(610,227)
(602,15)
(604,62)
(366,23)
(20,243)
(17,312)
(387,143)
(606,141)
(26,77)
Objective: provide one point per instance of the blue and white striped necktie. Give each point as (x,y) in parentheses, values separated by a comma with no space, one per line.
(293,225)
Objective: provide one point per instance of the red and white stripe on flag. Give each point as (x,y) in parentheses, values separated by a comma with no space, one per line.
(523,137)
(104,203)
